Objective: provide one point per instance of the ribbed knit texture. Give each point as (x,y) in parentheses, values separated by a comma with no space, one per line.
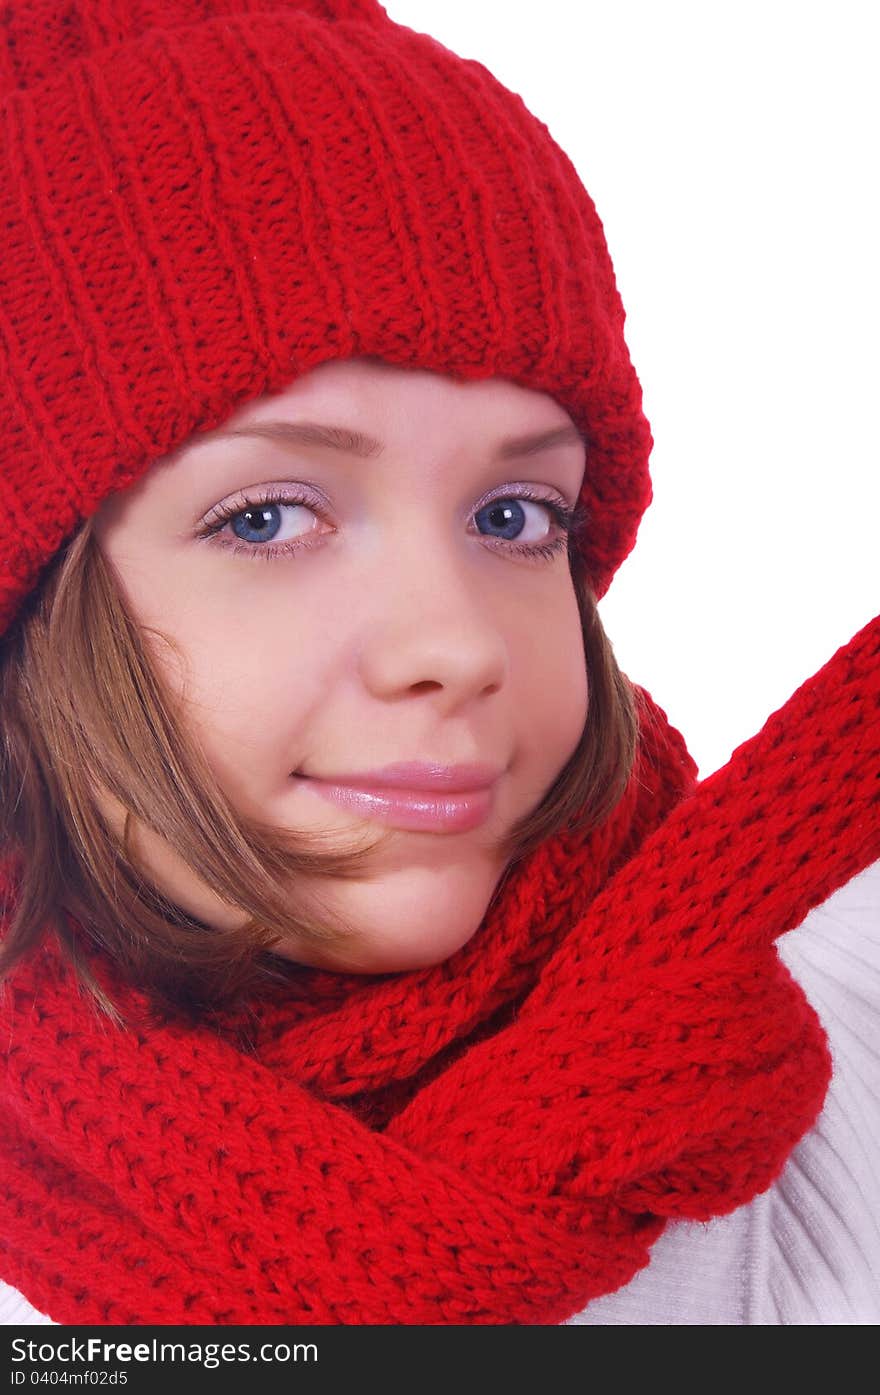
(200,201)
(498,1139)
(808,1250)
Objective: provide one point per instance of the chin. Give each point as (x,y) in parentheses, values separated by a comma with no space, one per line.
(361,957)
(403,962)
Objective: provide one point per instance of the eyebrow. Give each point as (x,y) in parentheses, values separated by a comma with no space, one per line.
(348,441)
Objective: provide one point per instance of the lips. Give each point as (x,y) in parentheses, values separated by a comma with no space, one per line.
(436,810)
(428,776)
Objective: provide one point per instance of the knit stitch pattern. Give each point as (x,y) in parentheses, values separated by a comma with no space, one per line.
(201,201)
(652,1058)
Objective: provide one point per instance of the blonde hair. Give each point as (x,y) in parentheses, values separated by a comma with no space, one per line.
(82,705)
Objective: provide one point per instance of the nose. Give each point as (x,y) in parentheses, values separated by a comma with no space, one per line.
(431,629)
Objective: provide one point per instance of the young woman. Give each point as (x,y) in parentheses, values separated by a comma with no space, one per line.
(371,953)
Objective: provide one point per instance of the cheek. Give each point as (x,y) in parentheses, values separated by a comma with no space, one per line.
(241,695)
(554,682)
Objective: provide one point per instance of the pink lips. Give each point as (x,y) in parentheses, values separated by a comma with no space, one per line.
(414,795)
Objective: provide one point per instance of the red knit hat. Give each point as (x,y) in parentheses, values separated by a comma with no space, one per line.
(198,204)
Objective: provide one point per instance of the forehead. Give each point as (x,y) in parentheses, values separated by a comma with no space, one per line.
(350,413)
(381,399)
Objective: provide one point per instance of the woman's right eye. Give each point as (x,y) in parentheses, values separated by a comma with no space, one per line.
(255,525)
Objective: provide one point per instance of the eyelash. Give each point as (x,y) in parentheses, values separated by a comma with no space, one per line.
(566,519)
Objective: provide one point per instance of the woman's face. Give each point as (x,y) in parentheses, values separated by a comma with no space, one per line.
(383,615)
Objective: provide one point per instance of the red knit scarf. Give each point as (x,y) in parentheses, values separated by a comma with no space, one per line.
(498,1139)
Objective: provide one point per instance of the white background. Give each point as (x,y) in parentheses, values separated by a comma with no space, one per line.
(732,151)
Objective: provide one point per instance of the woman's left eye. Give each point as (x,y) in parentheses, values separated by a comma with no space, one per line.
(509,514)
(256,524)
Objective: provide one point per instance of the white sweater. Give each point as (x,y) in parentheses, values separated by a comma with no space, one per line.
(807,1251)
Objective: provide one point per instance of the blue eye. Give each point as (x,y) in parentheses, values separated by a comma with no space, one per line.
(506,514)
(255,523)
(258,519)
